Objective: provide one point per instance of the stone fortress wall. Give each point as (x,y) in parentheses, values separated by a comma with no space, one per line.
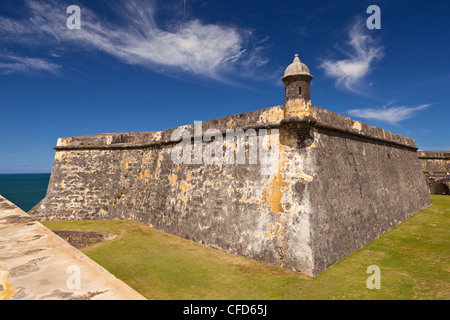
(333,186)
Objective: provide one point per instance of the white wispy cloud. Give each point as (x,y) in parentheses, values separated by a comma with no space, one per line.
(211,50)
(358,62)
(14,64)
(392,114)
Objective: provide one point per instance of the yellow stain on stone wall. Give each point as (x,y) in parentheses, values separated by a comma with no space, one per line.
(277,195)
(297,108)
(173,179)
(230,122)
(272,193)
(184,187)
(146,158)
(145,174)
(126,160)
(272,115)
(273,189)
(244,197)
(269,235)
(59,155)
(158,165)
(304,176)
(124,164)
(8,290)
(65,155)
(160,157)
(316,135)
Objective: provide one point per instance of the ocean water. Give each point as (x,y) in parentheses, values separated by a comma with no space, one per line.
(24,190)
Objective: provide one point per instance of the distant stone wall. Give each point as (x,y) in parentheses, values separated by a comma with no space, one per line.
(436,167)
(435,160)
(334,185)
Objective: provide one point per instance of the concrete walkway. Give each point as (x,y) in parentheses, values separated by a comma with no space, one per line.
(36,264)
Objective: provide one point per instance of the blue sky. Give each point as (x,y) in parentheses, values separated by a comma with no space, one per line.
(153,65)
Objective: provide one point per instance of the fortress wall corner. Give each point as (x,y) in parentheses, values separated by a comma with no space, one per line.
(363,187)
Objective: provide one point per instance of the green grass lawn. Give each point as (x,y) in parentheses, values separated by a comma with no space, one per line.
(413,258)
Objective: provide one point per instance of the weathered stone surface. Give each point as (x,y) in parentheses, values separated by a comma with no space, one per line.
(36,264)
(336,185)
